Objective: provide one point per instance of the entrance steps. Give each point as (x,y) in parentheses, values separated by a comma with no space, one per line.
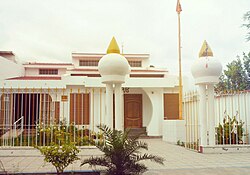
(142,132)
(12,133)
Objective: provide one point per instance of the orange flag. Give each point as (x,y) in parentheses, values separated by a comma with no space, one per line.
(178,7)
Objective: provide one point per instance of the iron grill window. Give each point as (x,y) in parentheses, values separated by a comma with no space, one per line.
(48,71)
(88,63)
(135,63)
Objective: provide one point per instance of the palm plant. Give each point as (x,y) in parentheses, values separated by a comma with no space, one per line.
(121,153)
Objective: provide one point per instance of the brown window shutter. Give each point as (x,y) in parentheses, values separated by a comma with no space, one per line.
(86,107)
(79,109)
(171,106)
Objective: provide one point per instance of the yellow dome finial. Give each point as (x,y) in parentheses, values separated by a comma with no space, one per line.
(205,50)
(113,47)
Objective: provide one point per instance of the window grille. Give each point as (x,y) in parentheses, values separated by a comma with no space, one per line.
(88,63)
(48,71)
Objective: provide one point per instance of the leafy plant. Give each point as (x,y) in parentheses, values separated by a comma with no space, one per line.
(121,153)
(60,156)
(48,134)
(230,131)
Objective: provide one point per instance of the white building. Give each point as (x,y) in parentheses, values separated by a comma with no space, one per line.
(50,92)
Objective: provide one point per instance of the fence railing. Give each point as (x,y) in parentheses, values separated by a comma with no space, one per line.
(232,113)
(33,117)
(44,135)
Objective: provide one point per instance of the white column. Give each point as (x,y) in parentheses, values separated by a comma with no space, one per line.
(118,107)
(109,105)
(211,114)
(203,115)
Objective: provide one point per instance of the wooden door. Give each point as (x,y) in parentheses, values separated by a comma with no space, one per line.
(133,110)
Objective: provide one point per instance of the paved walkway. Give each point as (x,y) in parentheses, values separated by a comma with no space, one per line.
(179,161)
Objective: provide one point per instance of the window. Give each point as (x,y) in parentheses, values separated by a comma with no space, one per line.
(79,108)
(135,63)
(88,63)
(171,106)
(48,71)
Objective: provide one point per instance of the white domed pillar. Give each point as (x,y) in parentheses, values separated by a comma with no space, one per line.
(114,68)
(206,70)
(109,105)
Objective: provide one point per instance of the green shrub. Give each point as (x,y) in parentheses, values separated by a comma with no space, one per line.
(230,131)
(60,156)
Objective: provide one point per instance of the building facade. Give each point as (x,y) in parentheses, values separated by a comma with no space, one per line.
(48,93)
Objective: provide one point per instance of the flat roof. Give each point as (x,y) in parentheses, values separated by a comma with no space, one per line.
(35,78)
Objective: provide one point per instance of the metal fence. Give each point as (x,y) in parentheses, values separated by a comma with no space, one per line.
(37,117)
(232,115)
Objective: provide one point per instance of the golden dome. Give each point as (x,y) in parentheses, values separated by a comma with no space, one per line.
(205,50)
(113,47)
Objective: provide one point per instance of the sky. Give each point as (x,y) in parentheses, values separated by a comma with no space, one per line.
(50,30)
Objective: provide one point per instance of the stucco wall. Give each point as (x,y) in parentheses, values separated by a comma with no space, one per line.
(10,69)
(173,130)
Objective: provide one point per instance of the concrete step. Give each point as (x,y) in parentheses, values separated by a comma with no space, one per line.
(137,131)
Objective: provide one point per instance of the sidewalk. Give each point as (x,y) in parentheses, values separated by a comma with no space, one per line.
(179,161)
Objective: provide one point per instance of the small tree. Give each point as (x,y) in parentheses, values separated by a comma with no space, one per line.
(121,153)
(60,156)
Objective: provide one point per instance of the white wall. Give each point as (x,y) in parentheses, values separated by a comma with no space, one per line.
(10,69)
(147,109)
(155,95)
(174,130)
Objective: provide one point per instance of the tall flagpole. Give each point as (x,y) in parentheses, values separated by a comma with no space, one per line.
(178,10)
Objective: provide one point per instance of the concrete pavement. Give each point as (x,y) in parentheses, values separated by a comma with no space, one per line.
(179,161)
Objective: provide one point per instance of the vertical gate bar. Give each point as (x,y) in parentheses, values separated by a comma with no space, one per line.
(29,121)
(11,117)
(100,112)
(188,121)
(82,118)
(74,122)
(219,101)
(188,103)
(63,103)
(185,113)
(194,125)
(232,106)
(32,116)
(25,117)
(1,125)
(44,116)
(93,110)
(4,116)
(197,120)
(191,121)
(21,138)
(48,117)
(225,116)
(238,120)
(245,112)
(2,112)
(18,110)
(14,134)
(79,115)
(37,115)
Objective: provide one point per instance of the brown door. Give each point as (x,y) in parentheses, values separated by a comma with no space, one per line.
(133,110)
